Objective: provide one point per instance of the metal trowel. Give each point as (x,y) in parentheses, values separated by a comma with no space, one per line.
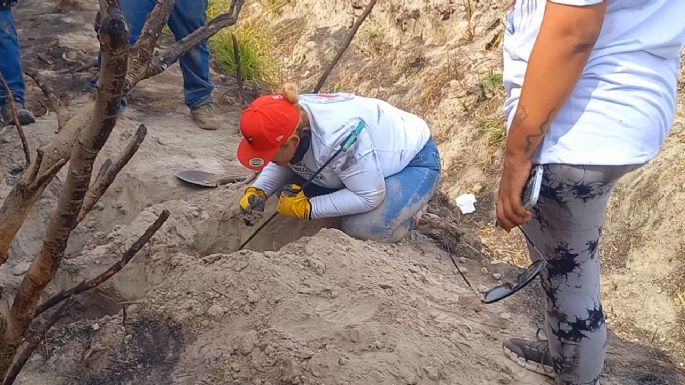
(207,179)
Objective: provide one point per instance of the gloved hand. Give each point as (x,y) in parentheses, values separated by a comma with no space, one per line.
(294,203)
(252,205)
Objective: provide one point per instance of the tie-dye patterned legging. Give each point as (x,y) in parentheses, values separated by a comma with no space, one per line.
(566,228)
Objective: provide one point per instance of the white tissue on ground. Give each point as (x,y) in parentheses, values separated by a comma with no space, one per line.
(465,202)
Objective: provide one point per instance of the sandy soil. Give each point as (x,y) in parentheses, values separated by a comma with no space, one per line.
(305,305)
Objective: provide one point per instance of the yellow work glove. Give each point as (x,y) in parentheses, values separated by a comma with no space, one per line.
(294,203)
(252,205)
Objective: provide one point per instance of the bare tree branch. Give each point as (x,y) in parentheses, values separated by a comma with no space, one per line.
(107,274)
(32,342)
(142,52)
(109,172)
(114,43)
(346,44)
(17,123)
(160,63)
(153,25)
(44,178)
(53,100)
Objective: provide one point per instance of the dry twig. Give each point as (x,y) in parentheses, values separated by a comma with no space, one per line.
(161,62)
(346,44)
(53,100)
(109,172)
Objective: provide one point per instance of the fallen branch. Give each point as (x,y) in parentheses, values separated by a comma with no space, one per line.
(161,62)
(13,109)
(32,341)
(53,100)
(346,44)
(238,70)
(107,274)
(109,172)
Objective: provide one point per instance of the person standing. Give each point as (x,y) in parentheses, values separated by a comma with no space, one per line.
(10,67)
(186,17)
(591,90)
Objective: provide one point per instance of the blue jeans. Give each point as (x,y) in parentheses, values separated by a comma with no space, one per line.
(10,59)
(186,17)
(406,193)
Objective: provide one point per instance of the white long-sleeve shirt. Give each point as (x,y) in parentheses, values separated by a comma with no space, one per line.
(389,141)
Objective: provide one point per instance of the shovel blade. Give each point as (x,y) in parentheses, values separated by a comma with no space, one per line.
(207,179)
(198,178)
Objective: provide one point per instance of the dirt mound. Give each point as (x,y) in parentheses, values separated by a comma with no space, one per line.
(327,309)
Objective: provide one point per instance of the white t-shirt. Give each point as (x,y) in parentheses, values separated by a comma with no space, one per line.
(623,106)
(390,139)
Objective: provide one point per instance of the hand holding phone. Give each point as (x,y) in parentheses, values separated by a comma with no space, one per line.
(513,175)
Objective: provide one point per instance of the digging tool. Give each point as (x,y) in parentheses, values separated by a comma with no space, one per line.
(206,179)
(351,139)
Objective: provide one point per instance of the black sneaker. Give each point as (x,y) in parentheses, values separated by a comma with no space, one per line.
(531,355)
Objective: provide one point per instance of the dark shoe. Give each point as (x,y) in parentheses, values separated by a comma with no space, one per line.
(205,117)
(531,355)
(25,116)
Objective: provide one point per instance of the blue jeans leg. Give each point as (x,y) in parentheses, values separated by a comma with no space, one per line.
(407,192)
(135,12)
(187,16)
(10,58)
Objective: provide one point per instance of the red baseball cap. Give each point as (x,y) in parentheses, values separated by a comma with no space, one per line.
(265,124)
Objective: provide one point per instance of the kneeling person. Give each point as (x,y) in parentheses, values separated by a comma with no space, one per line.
(379,186)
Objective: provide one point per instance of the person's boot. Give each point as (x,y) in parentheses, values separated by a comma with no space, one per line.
(25,116)
(205,117)
(531,355)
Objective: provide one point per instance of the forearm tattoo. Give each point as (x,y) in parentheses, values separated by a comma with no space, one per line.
(532,139)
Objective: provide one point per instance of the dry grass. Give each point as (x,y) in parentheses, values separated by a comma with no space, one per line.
(435,85)
(276,6)
(372,40)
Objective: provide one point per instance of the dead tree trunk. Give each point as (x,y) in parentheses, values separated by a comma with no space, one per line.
(79,140)
(114,43)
